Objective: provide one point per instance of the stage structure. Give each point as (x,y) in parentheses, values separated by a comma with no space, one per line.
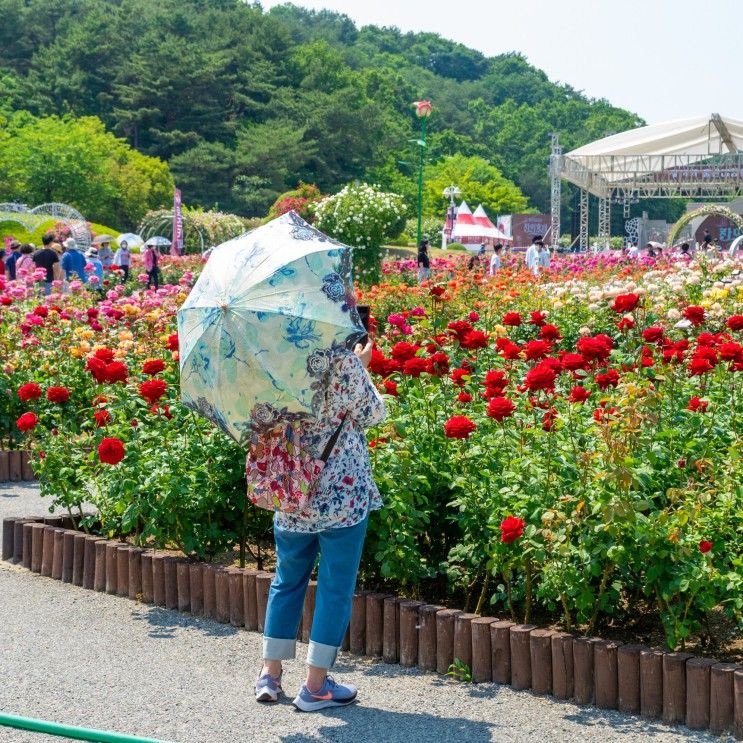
(700,158)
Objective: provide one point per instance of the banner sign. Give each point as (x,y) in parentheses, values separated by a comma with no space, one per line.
(177,247)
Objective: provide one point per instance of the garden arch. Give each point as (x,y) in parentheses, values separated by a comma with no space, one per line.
(704,211)
(161,223)
(31,219)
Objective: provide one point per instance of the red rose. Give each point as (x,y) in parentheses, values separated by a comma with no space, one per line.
(626,323)
(507,348)
(549,332)
(731,351)
(540,377)
(102,417)
(735,322)
(438,364)
(403,351)
(376,365)
(104,354)
(459,427)
(548,419)
(58,394)
(415,367)
(474,339)
(602,415)
(538,318)
(391,366)
(536,349)
(653,335)
(172,342)
(705,546)
(673,356)
(458,376)
(699,366)
(41,311)
(29,391)
(437,291)
(496,382)
(92,312)
(473,317)
(460,328)
(390,387)
(579,394)
(572,361)
(27,422)
(116,371)
(697,405)
(153,389)
(134,422)
(626,302)
(500,408)
(464,397)
(610,379)
(111,451)
(5,300)
(596,348)
(511,318)
(97,368)
(511,529)
(695,314)
(153,366)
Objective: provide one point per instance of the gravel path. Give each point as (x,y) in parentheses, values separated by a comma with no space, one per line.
(84,658)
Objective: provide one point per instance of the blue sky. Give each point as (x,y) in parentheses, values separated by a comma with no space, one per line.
(663,59)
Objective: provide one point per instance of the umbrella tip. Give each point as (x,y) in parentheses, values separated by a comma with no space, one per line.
(223,306)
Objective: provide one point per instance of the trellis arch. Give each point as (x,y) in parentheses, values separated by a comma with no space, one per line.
(161,223)
(30,219)
(704,211)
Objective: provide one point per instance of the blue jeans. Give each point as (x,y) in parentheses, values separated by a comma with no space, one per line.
(340,554)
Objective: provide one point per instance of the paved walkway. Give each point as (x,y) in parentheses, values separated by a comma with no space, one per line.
(84,658)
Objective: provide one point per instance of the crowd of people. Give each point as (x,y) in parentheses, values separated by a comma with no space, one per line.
(63,260)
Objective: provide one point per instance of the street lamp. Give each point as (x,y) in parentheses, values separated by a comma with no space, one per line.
(451,193)
(422,111)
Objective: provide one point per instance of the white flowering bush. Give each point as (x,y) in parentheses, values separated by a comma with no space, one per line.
(363,217)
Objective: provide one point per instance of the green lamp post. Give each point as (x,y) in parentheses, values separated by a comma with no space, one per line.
(422,111)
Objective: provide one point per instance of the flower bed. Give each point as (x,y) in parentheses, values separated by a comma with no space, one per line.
(674,687)
(564,448)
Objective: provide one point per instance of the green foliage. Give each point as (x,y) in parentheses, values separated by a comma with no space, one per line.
(13,229)
(76,161)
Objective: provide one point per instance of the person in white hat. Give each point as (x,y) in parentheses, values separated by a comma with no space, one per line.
(94,260)
(73,261)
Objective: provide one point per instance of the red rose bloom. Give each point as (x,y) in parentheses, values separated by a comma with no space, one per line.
(610,379)
(512,319)
(459,427)
(474,339)
(731,351)
(473,317)
(58,394)
(579,394)
(102,417)
(699,366)
(626,323)
(111,451)
(391,366)
(653,335)
(673,356)
(603,415)
(541,377)
(29,391)
(104,354)
(27,422)
(460,328)
(403,351)
(626,303)
(116,371)
(464,397)
(697,405)
(572,361)
(153,366)
(438,364)
(538,318)
(596,348)
(549,332)
(511,529)
(548,419)
(507,348)
(172,343)
(97,368)
(415,367)
(500,408)
(437,291)
(695,314)
(705,546)
(735,322)
(41,311)
(153,389)
(534,350)
(457,376)
(376,365)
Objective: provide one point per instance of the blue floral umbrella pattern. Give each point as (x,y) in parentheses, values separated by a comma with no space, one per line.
(261,324)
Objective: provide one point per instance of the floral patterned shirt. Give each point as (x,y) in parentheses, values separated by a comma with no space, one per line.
(346,491)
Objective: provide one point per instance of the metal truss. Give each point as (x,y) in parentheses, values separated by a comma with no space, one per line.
(555,189)
(583,233)
(605,219)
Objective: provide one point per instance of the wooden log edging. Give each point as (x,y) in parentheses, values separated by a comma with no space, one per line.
(15,466)
(677,687)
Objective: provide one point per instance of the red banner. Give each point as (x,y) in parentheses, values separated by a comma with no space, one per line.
(177,246)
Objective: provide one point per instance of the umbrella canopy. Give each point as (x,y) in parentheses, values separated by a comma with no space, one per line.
(100,239)
(131,239)
(260,326)
(158,241)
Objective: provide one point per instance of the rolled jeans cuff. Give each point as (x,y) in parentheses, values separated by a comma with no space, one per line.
(321,656)
(275,648)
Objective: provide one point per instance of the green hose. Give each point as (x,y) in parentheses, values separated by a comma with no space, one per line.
(68,731)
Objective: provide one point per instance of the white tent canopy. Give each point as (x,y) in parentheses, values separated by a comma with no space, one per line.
(636,155)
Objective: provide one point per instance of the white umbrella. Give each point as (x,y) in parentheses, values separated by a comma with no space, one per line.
(131,239)
(100,239)
(158,241)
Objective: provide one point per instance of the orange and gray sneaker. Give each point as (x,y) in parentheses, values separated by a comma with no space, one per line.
(330,694)
(268,688)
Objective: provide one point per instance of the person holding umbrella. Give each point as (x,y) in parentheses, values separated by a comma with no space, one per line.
(265,338)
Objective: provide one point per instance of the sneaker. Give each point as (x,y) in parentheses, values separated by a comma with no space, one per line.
(267,688)
(330,694)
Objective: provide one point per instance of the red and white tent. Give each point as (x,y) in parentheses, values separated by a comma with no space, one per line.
(475,229)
